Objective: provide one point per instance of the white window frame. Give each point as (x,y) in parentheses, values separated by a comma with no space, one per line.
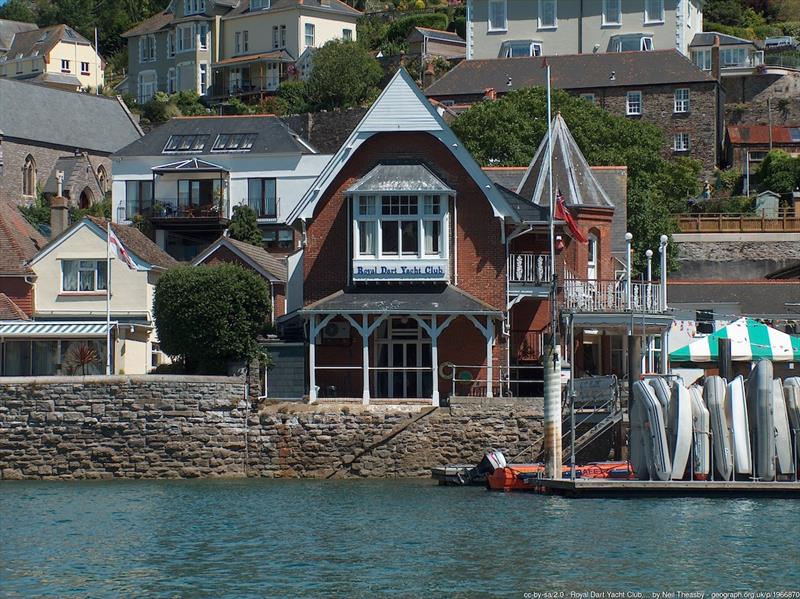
(193,7)
(88,265)
(181,39)
(650,19)
(631,103)
(202,78)
(422,218)
(739,52)
(306,35)
(554,25)
(245,41)
(65,65)
(85,71)
(507,48)
(141,94)
(171,44)
(172,81)
(202,36)
(259,4)
(607,4)
(347,35)
(681,142)
(702,59)
(682,100)
(489,20)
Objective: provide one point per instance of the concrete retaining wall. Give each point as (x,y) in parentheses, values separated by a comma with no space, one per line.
(180,427)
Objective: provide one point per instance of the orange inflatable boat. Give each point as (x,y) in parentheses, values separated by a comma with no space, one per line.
(523,477)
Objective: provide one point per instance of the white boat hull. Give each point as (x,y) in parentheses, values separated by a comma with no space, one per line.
(783,439)
(761,420)
(714,392)
(659,463)
(736,415)
(680,430)
(701,454)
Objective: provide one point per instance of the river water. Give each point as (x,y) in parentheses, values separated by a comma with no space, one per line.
(262,538)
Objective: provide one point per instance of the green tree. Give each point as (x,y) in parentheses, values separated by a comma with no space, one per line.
(244,226)
(209,316)
(18,10)
(727,12)
(344,74)
(294,96)
(508,131)
(779,172)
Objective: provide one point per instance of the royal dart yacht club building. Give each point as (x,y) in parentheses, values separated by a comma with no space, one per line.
(422,278)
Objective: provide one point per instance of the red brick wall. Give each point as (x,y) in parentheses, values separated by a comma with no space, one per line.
(481,265)
(20,292)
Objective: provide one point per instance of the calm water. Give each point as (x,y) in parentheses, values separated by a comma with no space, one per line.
(376,539)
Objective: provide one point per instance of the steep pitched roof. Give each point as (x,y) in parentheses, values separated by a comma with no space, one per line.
(37,113)
(332,6)
(44,40)
(155,23)
(270,266)
(138,244)
(272,135)
(73,168)
(19,240)
(573,71)
(9,310)
(572,175)
(8,29)
(400,107)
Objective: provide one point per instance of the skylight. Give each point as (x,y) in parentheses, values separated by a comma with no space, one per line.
(185,143)
(234,142)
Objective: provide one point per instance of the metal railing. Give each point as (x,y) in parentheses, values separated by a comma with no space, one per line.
(785,220)
(582,295)
(172,208)
(750,61)
(527,345)
(243,87)
(529,268)
(787,60)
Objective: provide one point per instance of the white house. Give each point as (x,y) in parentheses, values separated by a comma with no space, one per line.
(188,175)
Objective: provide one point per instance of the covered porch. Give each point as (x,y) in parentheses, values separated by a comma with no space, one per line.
(250,75)
(390,344)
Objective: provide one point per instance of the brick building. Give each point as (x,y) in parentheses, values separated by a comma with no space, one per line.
(746,146)
(44,131)
(19,242)
(420,277)
(660,87)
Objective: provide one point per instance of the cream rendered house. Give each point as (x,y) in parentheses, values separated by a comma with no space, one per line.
(263,40)
(70,282)
(58,56)
(511,28)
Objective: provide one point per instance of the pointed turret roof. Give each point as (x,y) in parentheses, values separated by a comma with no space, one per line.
(571,173)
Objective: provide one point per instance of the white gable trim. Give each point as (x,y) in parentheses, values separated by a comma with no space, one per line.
(400,107)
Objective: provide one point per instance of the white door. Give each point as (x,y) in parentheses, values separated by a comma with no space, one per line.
(591,266)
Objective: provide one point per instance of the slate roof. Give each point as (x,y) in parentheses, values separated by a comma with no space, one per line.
(138,243)
(9,310)
(508,176)
(275,266)
(155,23)
(8,29)
(438,34)
(44,40)
(527,211)
(55,78)
(760,134)
(400,177)
(574,71)
(387,299)
(335,6)
(56,117)
(572,175)
(755,298)
(706,38)
(19,240)
(273,136)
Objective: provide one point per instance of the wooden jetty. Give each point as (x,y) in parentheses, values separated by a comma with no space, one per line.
(616,488)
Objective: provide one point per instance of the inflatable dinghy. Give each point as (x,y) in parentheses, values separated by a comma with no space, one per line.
(783,438)
(701,454)
(660,465)
(663,393)
(736,415)
(638,452)
(761,420)
(680,430)
(714,392)
(791,391)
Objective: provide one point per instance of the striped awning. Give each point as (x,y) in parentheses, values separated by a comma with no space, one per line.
(750,340)
(27,329)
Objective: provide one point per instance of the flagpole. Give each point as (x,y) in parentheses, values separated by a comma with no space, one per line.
(553,293)
(108,298)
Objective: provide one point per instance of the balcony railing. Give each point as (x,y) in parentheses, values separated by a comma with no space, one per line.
(171,208)
(750,61)
(583,295)
(529,269)
(785,220)
(252,85)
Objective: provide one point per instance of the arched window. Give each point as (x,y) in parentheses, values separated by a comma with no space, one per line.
(102,177)
(29,177)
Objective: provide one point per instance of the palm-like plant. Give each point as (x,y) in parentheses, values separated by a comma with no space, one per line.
(81,357)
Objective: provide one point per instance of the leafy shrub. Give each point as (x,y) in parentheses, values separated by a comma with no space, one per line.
(399,30)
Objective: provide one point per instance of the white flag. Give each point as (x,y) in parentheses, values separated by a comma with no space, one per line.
(119,250)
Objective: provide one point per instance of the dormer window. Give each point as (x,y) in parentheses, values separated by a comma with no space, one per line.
(259,4)
(194,7)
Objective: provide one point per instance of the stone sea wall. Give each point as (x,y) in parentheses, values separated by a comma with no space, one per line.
(180,427)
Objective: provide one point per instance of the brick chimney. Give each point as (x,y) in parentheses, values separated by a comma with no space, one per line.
(59,210)
(428,76)
(490,94)
(715,61)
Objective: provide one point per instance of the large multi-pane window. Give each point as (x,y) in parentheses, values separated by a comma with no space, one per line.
(262,197)
(497,15)
(399,226)
(84,275)
(548,18)
(682,99)
(309,34)
(633,103)
(138,195)
(733,57)
(702,58)
(653,11)
(612,12)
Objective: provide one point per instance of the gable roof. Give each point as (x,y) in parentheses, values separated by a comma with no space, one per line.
(270,266)
(44,40)
(572,175)
(36,113)
(332,6)
(74,168)
(9,310)
(8,29)
(706,38)
(146,254)
(438,34)
(19,240)
(400,177)
(272,135)
(573,71)
(400,107)
(155,23)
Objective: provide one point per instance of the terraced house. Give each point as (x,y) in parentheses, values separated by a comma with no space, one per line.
(510,28)
(224,48)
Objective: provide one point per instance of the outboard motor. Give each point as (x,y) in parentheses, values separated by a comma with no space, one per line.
(491,461)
